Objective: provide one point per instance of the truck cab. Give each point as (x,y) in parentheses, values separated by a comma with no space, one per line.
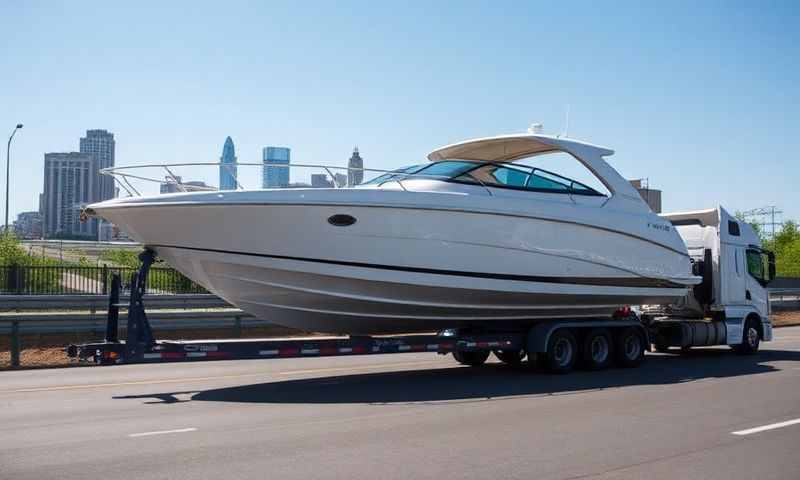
(732,298)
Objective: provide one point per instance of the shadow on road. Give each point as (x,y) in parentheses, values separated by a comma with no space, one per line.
(489,381)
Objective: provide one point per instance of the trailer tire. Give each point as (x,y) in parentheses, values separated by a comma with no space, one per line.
(562,351)
(630,348)
(510,357)
(598,349)
(751,338)
(473,359)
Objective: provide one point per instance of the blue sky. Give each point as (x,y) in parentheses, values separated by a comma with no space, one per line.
(700,97)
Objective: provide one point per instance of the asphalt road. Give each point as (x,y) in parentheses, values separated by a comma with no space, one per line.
(408,416)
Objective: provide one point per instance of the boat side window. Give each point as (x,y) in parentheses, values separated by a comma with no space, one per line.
(525,178)
(447,168)
(496,175)
(541,180)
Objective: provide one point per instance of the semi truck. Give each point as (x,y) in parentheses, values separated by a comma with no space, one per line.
(729,307)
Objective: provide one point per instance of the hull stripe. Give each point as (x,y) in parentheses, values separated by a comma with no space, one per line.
(634,282)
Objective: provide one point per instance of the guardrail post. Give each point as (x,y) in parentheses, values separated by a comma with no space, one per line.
(112,322)
(105,279)
(13,278)
(14,343)
(237,326)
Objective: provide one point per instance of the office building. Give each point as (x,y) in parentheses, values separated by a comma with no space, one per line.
(354,173)
(69,185)
(275,177)
(340,179)
(227,167)
(320,180)
(100,145)
(650,195)
(170,185)
(28,225)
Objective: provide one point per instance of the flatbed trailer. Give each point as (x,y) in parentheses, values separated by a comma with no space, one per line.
(556,340)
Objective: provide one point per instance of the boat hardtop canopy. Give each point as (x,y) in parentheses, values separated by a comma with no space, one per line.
(508,148)
(512,147)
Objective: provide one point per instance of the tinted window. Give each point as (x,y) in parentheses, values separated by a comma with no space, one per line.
(447,169)
(388,176)
(499,175)
(541,180)
(733,228)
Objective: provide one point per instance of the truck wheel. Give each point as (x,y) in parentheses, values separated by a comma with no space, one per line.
(597,349)
(562,351)
(510,357)
(630,348)
(751,340)
(473,359)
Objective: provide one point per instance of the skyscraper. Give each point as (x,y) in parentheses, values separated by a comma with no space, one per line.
(100,145)
(275,177)
(227,168)
(354,173)
(70,181)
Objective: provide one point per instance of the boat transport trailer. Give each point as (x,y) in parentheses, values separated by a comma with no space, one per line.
(556,340)
(730,307)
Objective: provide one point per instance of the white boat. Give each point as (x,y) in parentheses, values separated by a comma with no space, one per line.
(471,239)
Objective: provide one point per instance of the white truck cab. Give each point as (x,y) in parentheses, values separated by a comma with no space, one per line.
(731,305)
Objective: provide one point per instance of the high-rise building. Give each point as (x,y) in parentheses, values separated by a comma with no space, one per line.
(69,185)
(28,225)
(355,174)
(275,177)
(340,179)
(320,180)
(100,144)
(227,168)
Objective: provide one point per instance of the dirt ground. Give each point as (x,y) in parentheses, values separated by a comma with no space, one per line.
(47,351)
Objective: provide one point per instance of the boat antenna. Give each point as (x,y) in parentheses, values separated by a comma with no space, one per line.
(566,124)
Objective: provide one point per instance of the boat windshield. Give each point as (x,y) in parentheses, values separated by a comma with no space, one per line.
(492,174)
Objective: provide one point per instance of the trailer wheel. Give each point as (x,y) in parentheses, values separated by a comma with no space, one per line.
(562,351)
(751,339)
(510,357)
(473,359)
(630,348)
(597,349)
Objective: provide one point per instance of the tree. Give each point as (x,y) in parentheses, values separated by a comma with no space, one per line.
(786,246)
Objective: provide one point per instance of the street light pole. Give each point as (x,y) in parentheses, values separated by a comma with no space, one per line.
(8,169)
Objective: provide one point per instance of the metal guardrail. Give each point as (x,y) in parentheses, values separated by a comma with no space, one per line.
(19,303)
(71,279)
(54,323)
(784,298)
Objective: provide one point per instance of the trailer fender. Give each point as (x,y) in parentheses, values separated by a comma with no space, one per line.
(539,334)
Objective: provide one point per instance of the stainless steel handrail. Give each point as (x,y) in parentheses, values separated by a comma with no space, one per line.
(123,174)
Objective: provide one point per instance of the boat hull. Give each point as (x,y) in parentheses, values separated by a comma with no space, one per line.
(402,269)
